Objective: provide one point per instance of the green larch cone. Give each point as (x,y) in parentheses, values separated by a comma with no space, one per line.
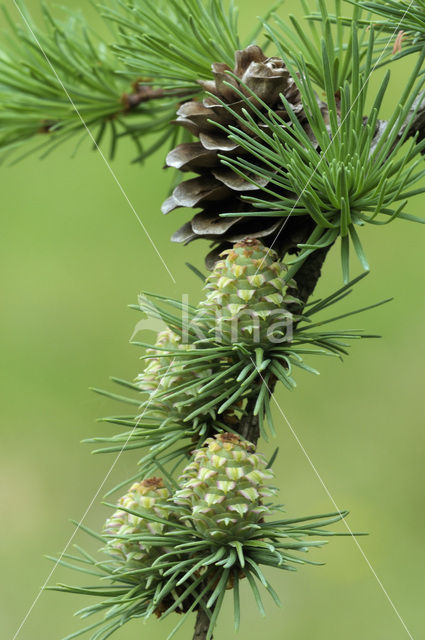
(151,496)
(224,487)
(150,378)
(247,295)
(223,356)
(220,535)
(164,374)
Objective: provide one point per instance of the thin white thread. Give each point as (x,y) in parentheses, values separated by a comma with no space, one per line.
(174,281)
(83,122)
(58,561)
(328,493)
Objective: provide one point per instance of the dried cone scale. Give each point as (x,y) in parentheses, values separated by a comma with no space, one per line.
(217,189)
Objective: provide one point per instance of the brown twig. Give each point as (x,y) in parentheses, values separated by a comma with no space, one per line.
(145,93)
(202,625)
(417,126)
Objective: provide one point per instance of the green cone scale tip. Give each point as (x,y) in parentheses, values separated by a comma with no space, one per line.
(247,293)
(150,496)
(224,486)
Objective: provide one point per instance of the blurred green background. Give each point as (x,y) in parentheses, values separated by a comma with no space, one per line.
(72,257)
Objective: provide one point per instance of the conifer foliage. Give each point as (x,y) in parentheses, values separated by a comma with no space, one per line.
(216,360)
(219,528)
(280,144)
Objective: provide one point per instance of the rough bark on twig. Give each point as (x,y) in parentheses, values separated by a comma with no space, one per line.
(202,625)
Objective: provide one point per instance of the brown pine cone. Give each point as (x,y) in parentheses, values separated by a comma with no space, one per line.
(217,189)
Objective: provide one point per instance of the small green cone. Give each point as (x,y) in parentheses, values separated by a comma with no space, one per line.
(171,388)
(247,294)
(152,377)
(149,495)
(224,487)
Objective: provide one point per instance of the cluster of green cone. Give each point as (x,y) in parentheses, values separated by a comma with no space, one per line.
(183,548)
(215,360)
